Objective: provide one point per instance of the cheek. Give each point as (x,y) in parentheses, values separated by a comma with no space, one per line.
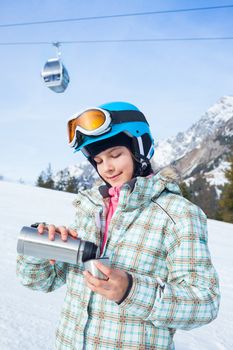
(128,165)
(99,169)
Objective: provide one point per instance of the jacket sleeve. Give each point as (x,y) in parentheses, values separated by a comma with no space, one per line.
(39,274)
(190,296)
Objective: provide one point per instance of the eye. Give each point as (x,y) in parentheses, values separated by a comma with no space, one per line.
(98,161)
(115,155)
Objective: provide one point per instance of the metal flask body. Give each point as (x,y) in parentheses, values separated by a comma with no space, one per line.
(72,251)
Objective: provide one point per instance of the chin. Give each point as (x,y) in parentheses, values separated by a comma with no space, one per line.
(117,183)
(114,184)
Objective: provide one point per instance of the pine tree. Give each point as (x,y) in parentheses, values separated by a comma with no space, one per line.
(40,180)
(49,179)
(72,185)
(226,200)
(61,183)
(185,191)
(45,178)
(204,195)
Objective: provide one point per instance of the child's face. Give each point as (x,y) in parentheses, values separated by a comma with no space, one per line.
(115,165)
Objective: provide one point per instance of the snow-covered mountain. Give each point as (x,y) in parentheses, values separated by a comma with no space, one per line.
(217,118)
(28,319)
(210,156)
(201,155)
(76,177)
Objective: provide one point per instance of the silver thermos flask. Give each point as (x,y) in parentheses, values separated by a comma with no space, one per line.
(73,251)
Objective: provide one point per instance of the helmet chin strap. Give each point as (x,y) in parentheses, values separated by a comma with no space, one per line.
(144,165)
(140,166)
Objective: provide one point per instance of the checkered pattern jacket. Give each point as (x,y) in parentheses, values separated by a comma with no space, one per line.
(158,237)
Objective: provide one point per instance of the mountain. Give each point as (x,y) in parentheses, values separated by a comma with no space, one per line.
(217,119)
(201,155)
(76,177)
(210,156)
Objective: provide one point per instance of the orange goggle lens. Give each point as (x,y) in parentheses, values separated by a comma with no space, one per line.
(89,120)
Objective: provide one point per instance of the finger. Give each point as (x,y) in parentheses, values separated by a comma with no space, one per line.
(92,287)
(72,233)
(41,228)
(63,231)
(98,283)
(52,232)
(103,268)
(90,278)
(97,289)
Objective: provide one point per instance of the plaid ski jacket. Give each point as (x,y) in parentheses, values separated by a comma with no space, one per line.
(155,235)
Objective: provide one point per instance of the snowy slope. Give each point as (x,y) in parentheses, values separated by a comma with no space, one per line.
(28,319)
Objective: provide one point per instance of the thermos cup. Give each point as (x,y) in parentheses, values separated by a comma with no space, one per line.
(90,266)
(73,251)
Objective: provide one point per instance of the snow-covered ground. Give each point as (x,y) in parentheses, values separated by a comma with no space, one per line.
(28,319)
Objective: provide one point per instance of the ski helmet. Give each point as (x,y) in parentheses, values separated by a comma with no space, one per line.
(125,121)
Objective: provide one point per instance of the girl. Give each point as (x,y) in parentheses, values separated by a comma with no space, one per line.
(161,277)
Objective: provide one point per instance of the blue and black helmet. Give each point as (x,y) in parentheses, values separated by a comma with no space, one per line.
(128,123)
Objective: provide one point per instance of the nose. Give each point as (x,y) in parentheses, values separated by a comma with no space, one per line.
(108,166)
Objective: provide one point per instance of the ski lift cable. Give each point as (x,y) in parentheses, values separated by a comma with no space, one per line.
(207,8)
(21,43)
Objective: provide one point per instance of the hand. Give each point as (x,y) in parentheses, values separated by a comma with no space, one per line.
(114,288)
(52,230)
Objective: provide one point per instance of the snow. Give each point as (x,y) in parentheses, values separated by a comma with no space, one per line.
(28,319)
(173,148)
(228,132)
(222,110)
(216,177)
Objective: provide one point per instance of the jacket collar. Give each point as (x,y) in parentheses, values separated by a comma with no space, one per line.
(103,189)
(141,190)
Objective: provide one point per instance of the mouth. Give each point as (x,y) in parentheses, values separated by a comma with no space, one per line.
(113,177)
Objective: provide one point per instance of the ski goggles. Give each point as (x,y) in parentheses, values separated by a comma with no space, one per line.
(91,122)
(97,121)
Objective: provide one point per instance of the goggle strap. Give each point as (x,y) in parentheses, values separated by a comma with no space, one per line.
(119,117)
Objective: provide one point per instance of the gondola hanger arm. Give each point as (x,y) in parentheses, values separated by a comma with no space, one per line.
(57,44)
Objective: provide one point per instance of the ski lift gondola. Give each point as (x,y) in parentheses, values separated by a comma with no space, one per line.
(54,73)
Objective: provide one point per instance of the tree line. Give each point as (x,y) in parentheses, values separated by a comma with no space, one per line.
(65,181)
(200,192)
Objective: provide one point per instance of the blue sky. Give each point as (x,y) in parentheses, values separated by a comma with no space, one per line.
(173,83)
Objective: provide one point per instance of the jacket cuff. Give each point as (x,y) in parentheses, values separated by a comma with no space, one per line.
(130,280)
(143,296)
